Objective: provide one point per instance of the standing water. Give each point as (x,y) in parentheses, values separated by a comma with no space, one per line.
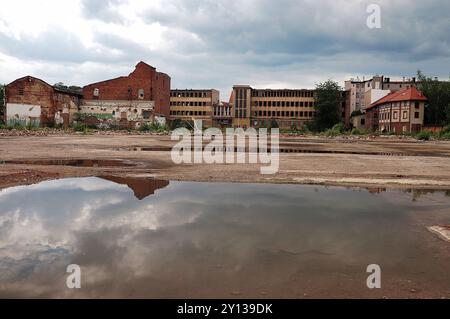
(156,239)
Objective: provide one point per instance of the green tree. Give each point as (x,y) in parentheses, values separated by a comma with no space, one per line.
(61,85)
(437,110)
(327,104)
(72,88)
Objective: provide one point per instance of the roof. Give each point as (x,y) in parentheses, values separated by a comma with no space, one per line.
(57,89)
(192,90)
(408,94)
(68,91)
(28,77)
(123,77)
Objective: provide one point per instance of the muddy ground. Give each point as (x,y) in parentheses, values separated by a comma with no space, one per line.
(379,162)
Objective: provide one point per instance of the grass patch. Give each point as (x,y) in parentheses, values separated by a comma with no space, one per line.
(154,127)
(423,136)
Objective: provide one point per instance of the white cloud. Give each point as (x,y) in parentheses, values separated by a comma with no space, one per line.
(203,43)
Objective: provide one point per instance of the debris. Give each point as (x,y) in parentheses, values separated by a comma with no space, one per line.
(443,231)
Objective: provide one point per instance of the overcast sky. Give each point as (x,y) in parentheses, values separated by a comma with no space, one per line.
(218,43)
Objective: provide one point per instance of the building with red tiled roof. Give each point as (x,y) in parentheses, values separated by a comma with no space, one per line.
(398,112)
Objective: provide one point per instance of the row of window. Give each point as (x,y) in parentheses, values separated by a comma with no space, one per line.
(285,113)
(404,103)
(283,103)
(188,94)
(188,113)
(141,94)
(284,93)
(395,115)
(194,103)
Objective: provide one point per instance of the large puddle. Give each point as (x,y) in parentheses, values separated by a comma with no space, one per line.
(146,238)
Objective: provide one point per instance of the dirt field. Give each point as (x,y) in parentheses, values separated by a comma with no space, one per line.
(380,162)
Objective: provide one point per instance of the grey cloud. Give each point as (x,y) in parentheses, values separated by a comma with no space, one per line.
(104,10)
(55,46)
(301,27)
(260,42)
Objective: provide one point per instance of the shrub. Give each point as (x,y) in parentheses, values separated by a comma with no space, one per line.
(79,127)
(445,135)
(153,127)
(177,123)
(340,128)
(30,126)
(424,135)
(336,130)
(446,129)
(357,131)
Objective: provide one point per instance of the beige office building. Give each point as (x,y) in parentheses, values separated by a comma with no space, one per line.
(261,107)
(194,105)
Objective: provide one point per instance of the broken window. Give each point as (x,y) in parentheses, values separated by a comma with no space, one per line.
(146,114)
(141,94)
(96,92)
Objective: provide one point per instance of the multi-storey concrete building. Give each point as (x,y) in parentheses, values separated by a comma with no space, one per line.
(223,115)
(32,101)
(401,111)
(189,104)
(138,97)
(289,108)
(260,107)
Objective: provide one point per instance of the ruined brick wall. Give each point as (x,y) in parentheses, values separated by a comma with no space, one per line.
(371,119)
(33,91)
(67,105)
(155,86)
(125,87)
(162,94)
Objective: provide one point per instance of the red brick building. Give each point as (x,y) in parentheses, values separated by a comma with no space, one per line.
(398,112)
(143,84)
(30,100)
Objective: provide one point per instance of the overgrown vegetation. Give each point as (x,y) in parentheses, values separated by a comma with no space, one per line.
(337,129)
(328,105)
(178,123)
(70,88)
(437,108)
(423,135)
(79,127)
(154,127)
(357,131)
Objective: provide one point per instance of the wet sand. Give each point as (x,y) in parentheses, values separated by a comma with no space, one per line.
(377,162)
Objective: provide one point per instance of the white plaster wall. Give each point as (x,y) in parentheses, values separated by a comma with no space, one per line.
(22,112)
(132,109)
